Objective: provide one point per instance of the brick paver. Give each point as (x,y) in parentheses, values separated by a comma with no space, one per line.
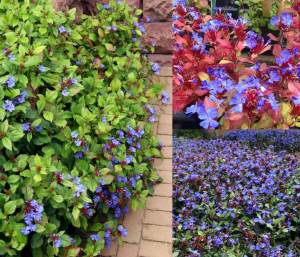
(150,230)
(155,249)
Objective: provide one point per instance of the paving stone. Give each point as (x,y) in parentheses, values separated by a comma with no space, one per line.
(163,164)
(161,218)
(165,124)
(159,203)
(167,152)
(155,249)
(112,251)
(164,60)
(133,222)
(166,140)
(128,250)
(163,190)
(166,176)
(167,109)
(157,233)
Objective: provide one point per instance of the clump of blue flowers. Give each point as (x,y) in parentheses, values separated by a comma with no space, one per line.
(33,215)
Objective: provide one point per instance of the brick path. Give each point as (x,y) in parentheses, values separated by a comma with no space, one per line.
(150,230)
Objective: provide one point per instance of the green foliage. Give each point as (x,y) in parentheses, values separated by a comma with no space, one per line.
(61,74)
(252,10)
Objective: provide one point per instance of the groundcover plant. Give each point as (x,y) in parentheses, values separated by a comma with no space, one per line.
(217,75)
(234,200)
(76,144)
(281,139)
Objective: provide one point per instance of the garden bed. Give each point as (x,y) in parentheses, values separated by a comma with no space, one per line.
(232,199)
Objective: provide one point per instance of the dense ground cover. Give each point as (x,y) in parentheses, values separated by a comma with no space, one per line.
(234,200)
(281,139)
(76,141)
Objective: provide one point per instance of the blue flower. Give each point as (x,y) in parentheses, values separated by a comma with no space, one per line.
(78,142)
(39,128)
(212,25)
(11,57)
(155,68)
(208,117)
(65,92)
(285,19)
(74,134)
(165,98)
(274,76)
(79,155)
(179,2)
(251,39)
(140,26)
(26,127)
(296,99)
(21,98)
(11,81)
(28,229)
(106,6)
(284,57)
(121,134)
(107,238)
(8,106)
(73,81)
(79,187)
(192,109)
(273,102)
(62,29)
(57,243)
(42,68)
(33,213)
(122,231)
(237,101)
(95,237)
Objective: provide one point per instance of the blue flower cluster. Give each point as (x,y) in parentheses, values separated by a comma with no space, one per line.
(33,215)
(10,105)
(234,200)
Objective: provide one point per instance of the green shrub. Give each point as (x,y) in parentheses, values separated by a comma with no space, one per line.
(76,144)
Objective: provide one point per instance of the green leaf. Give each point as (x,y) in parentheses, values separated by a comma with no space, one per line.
(48,116)
(39,49)
(36,241)
(37,178)
(16,133)
(13,179)
(115,84)
(110,47)
(11,37)
(73,252)
(4,126)
(108,179)
(41,103)
(7,143)
(10,207)
(2,114)
(75,213)
(58,198)
(32,61)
